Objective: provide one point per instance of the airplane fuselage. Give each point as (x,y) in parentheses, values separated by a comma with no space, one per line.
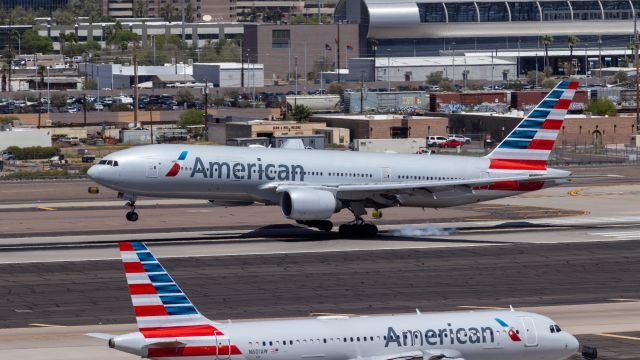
(484,335)
(244,174)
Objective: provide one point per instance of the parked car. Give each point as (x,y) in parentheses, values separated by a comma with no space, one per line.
(451,143)
(71,140)
(436,140)
(460,137)
(8,155)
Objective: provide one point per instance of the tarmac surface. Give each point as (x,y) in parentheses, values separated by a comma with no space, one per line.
(568,252)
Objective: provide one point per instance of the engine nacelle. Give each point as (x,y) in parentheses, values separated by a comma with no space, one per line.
(309,204)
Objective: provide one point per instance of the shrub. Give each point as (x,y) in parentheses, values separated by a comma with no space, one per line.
(34,152)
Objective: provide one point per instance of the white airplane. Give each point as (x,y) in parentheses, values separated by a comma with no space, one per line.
(311,185)
(170,327)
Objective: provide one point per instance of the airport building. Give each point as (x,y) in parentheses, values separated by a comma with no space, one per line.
(443,27)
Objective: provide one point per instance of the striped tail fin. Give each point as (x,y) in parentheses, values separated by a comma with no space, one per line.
(161,308)
(528,146)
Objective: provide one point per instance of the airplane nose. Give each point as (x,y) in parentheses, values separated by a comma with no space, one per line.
(572,345)
(92,173)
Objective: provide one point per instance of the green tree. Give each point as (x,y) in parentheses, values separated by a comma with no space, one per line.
(572,42)
(33,43)
(435,78)
(191,117)
(549,83)
(58,100)
(601,107)
(621,76)
(183,96)
(546,41)
(116,35)
(301,113)
(335,88)
(63,17)
(168,12)
(140,8)
(91,84)
(531,77)
(445,85)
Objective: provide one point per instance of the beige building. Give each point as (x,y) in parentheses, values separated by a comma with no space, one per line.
(387,126)
(203,10)
(262,128)
(281,47)
(334,136)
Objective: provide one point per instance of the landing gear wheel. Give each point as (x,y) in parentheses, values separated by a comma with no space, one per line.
(358,230)
(132,216)
(325,225)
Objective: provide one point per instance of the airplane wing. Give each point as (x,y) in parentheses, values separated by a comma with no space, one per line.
(355,191)
(426,355)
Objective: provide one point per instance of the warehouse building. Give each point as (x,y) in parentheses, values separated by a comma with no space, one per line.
(386,126)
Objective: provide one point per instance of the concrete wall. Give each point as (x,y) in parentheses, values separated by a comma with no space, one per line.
(25,138)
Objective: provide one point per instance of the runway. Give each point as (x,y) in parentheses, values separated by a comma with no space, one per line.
(569,252)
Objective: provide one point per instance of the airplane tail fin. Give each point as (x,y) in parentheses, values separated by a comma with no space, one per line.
(528,146)
(161,308)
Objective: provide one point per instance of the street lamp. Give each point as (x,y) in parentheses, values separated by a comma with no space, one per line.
(453,65)
(388,69)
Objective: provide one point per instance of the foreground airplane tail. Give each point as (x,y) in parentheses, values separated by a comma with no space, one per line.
(162,310)
(528,146)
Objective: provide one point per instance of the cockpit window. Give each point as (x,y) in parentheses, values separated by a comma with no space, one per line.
(115,163)
(552,329)
(557,328)
(110,162)
(102,162)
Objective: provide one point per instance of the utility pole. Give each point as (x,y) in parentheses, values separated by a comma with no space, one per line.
(135,85)
(635,49)
(206,107)
(338,50)
(241,63)
(84,108)
(361,92)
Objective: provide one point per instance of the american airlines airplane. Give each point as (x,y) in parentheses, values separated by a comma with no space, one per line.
(170,327)
(311,185)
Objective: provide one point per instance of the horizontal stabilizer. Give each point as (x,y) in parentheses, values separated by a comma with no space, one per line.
(102,336)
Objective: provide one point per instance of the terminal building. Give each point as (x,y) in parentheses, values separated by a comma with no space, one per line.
(443,27)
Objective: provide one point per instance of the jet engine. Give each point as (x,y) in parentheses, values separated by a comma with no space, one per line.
(309,204)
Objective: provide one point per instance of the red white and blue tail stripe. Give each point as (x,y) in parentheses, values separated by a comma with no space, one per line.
(171,326)
(528,146)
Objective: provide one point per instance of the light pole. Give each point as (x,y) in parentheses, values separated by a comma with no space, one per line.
(635,34)
(586,65)
(295,59)
(388,69)
(536,69)
(48,93)
(518,62)
(453,65)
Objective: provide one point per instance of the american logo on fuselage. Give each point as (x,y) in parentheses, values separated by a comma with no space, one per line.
(448,335)
(247,171)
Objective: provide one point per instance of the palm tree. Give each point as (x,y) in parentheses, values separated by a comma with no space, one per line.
(546,40)
(41,70)
(63,39)
(166,11)
(572,41)
(5,70)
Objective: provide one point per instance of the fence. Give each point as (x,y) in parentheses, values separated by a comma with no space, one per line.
(593,155)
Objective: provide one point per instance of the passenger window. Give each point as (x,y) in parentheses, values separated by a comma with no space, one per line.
(358,338)
(324,341)
(270,343)
(264,343)
(351,339)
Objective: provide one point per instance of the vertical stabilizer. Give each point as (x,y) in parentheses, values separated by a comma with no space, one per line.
(528,146)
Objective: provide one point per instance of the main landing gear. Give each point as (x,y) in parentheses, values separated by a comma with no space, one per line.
(359,228)
(324,225)
(132,215)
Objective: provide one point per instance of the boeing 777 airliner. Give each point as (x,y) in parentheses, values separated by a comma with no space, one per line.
(170,327)
(311,185)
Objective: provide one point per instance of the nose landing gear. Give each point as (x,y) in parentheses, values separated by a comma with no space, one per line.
(132,215)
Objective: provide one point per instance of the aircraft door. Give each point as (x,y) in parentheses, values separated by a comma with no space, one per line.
(223,348)
(530,333)
(152,168)
(385,174)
